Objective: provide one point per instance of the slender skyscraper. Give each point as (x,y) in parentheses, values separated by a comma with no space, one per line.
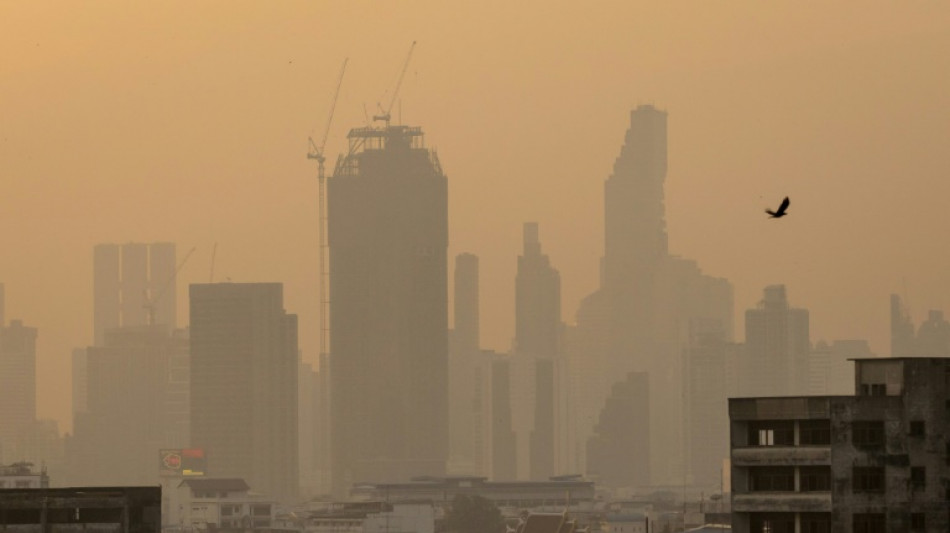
(465,370)
(17,384)
(388,236)
(244,384)
(537,330)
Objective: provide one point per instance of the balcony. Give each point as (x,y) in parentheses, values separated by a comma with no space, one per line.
(777,502)
(781,456)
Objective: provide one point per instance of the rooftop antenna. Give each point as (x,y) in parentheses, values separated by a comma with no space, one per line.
(316,152)
(386,114)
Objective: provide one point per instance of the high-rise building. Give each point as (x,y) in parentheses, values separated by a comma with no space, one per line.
(465,372)
(504,458)
(130,282)
(902,329)
(537,335)
(777,345)
(707,390)
(645,302)
(17,384)
(618,454)
(933,336)
(137,402)
(872,461)
(244,384)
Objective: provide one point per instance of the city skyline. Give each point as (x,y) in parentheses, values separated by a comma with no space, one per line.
(720,178)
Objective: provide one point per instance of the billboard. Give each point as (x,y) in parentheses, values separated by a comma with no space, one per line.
(182,462)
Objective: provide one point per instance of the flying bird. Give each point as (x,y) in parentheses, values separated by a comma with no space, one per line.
(781,209)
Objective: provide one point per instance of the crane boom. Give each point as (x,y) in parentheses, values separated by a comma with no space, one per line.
(387,112)
(150,304)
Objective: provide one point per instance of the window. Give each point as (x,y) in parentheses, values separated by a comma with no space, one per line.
(873,389)
(814,432)
(867,433)
(918,522)
(772,433)
(772,522)
(772,479)
(917,428)
(918,478)
(814,478)
(868,479)
(815,522)
(868,523)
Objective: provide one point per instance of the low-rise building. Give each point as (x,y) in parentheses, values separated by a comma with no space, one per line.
(559,492)
(877,461)
(22,476)
(209,504)
(372,517)
(92,509)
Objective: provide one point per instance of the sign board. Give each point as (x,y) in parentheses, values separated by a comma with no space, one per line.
(180,462)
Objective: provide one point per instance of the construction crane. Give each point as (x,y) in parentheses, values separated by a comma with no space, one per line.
(151,302)
(316,152)
(386,116)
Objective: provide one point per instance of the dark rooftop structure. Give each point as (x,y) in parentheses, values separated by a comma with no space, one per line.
(99,509)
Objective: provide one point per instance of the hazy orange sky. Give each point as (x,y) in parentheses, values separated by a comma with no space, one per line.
(188,122)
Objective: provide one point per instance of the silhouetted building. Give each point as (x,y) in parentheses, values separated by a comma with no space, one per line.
(22,475)
(706,378)
(112,509)
(130,281)
(244,384)
(504,458)
(17,385)
(137,387)
(388,235)
(558,492)
(648,296)
(777,347)
(876,461)
(465,375)
(79,380)
(933,336)
(830,370)
(537,334)
(618,454)
(902,329)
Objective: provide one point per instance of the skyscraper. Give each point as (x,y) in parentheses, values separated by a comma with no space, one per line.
(244,384)
(537,333)
(465,372)
(17,383)
(777,346)
(388,236)
(129,282)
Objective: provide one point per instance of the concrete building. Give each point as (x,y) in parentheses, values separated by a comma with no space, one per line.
(388,237)
(706,383)
(504,456)
(244,384)
(137,386)
(371,517)
(103,509)
(875,461)
(22,476)
(208,504)
(130,281)
(777,347)
(17,385)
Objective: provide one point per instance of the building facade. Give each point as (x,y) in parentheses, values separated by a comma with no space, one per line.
(244,384)
(388,237)
(878,461)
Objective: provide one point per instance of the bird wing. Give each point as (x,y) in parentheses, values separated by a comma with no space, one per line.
(784,206)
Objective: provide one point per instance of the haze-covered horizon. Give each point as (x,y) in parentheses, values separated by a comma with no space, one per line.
(188,124)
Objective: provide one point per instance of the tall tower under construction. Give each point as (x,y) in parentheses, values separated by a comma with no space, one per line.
(388,236)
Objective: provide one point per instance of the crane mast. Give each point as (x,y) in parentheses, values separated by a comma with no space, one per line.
(316,152)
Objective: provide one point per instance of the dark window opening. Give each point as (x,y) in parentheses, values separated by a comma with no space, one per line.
(772,479)
(873,389)
(772,523)
(917,428)
(867,433)
(814,478)
(869,523)
(918,478)
(918,522)
(772,433)
(814,432)
(815,522)
(868,479)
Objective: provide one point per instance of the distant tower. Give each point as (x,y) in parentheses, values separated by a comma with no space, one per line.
(466,377)
(388,237)
(17,384)
(125,278)
(537,328)
(244,384)
(902,329)
(618,454)
(933,336)
(777,345)
(504,457)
